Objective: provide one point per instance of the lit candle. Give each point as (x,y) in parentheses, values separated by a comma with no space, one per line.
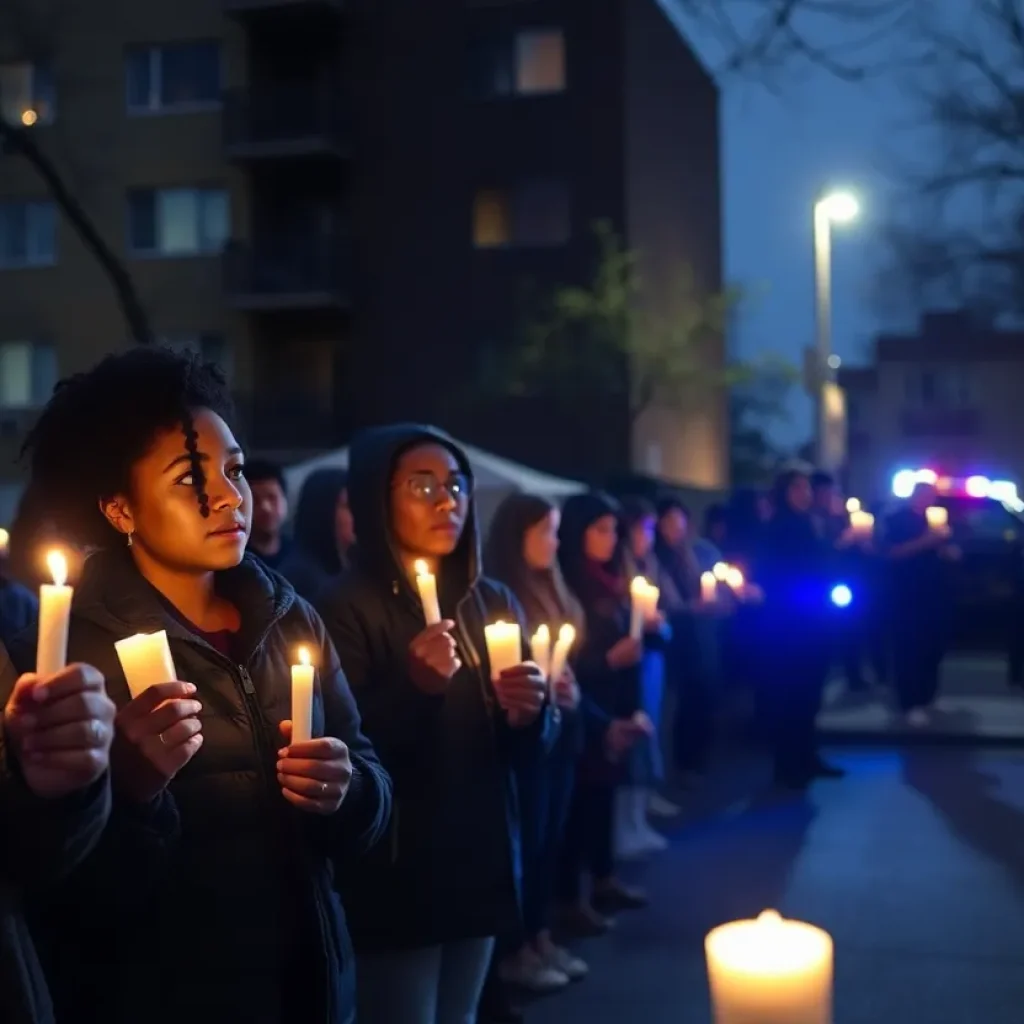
(540,649)
(734,580)
(863,523)
(721,570)
(644,605)
(853,505)
(938,517)
(560,655)
(504,646)
(145,660)
(426,584)
(302,698)
(708,588)
(770,971)
(54,617)
(5,543)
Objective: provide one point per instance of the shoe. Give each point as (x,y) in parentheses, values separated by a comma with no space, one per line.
(659,807)
(562,960)
(584,922)
(527,970)
(611,896)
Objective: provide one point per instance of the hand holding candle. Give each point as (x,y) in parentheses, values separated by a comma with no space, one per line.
(504,647)
(426,584)
(54,618)
(302,698)
(770,971)
(145,660)
(644,598)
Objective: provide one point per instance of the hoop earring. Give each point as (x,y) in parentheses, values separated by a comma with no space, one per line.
(130,532)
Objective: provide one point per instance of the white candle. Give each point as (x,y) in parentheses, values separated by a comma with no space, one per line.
(853,505)
(540,649)
(770,971)
(644,606)
(504,646)
(863,523)
(302,698)
(426,584)
(708,588)
(938,517)
(734,580)
(560,655)
(145,660)
(5,543)
(721,570)
(54,617)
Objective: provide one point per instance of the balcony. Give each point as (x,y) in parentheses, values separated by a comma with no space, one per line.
(277,272)
(285,121)
(264,8)
(940,422)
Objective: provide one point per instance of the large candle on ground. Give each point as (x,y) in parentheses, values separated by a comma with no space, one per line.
(708,588)
(644,606)
(560,655)
(770,971)
(938,517)
(540,649)
(426,584)
(302,698)
(504,646)
(145,660)
(54,616)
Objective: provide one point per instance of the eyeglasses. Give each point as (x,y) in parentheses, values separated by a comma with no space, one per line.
(427,488)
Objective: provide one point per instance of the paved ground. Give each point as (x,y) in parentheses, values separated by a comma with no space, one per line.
(914,863)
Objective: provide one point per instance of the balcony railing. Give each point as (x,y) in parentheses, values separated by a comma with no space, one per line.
(274,121)
(940,422)
(244,7)
(291,270)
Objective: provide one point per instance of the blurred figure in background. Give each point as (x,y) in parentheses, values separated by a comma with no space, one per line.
(709,547)
(323,535)
(269,512)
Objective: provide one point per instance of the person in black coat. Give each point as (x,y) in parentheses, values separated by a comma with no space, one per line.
(211,893)
(425,907)
(55,739)
(795,571)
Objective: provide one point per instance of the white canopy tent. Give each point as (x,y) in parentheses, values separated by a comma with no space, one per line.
(494,478)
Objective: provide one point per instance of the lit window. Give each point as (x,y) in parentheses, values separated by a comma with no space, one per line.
(178,221)
(27,94)
(540,62)
(178,77)
(28,374)
(532,214)
(28,234)
(492,219)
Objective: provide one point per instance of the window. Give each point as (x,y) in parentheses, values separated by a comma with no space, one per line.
(947,387)
(28,374)
(533,214)
(527,63)
(28,234)
(177,221)
(208,345)
(27,94)
(176,77)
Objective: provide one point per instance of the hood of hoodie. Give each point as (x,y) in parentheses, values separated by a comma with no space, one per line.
(373,455)
(313,530)
(579,513)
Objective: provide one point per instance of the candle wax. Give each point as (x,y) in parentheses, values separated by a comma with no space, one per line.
(145,660)
(426,584)
(504,646)
(302,699)
(54,618)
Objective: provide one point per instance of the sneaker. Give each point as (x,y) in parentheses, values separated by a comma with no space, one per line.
(527,970)
(562,960)
(659,807)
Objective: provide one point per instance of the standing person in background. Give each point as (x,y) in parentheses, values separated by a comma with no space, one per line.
(322,535)
(709,547)
(425,908)
(639,797)
(522,553)
(18,608)
(608,669)
(920,602)
(55,737)
(794,572)
(268,539)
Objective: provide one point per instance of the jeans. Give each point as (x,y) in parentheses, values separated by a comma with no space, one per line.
(588,840)
(432,985)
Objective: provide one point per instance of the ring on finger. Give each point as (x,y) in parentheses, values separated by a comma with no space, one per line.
(163,740)
(323,788)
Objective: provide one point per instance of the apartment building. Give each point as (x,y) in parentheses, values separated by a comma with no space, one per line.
(945,398)
(343,201)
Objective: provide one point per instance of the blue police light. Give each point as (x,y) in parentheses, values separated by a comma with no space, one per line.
(842,595)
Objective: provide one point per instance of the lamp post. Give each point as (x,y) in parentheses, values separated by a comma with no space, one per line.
(830,208)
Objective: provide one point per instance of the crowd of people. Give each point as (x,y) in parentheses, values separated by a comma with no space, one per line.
(448,835)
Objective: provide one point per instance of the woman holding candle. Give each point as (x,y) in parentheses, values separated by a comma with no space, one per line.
(425,907)
(215,875)
(607,666)
(522,552)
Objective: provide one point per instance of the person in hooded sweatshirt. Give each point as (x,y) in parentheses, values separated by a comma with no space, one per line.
(322,534)
(607,667)
(55,739)
(522,553)
(425,907)
(211,895)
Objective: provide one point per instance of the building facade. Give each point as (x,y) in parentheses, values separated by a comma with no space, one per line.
(946,398)
(344,203)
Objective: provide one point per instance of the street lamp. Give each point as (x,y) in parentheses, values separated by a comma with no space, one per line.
(838,207)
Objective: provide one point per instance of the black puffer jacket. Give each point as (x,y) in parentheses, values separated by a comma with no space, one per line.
(452,867)
(42,841)
(216,902)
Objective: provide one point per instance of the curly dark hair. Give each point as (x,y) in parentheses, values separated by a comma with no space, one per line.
(98,424)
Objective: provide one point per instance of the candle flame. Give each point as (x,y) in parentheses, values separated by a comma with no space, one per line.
(420,567)
(734,578)
(567,634)
(304,658)
(853,505)
(543,633)
(721,571)
(58,566)
(708,577)
(769,918)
